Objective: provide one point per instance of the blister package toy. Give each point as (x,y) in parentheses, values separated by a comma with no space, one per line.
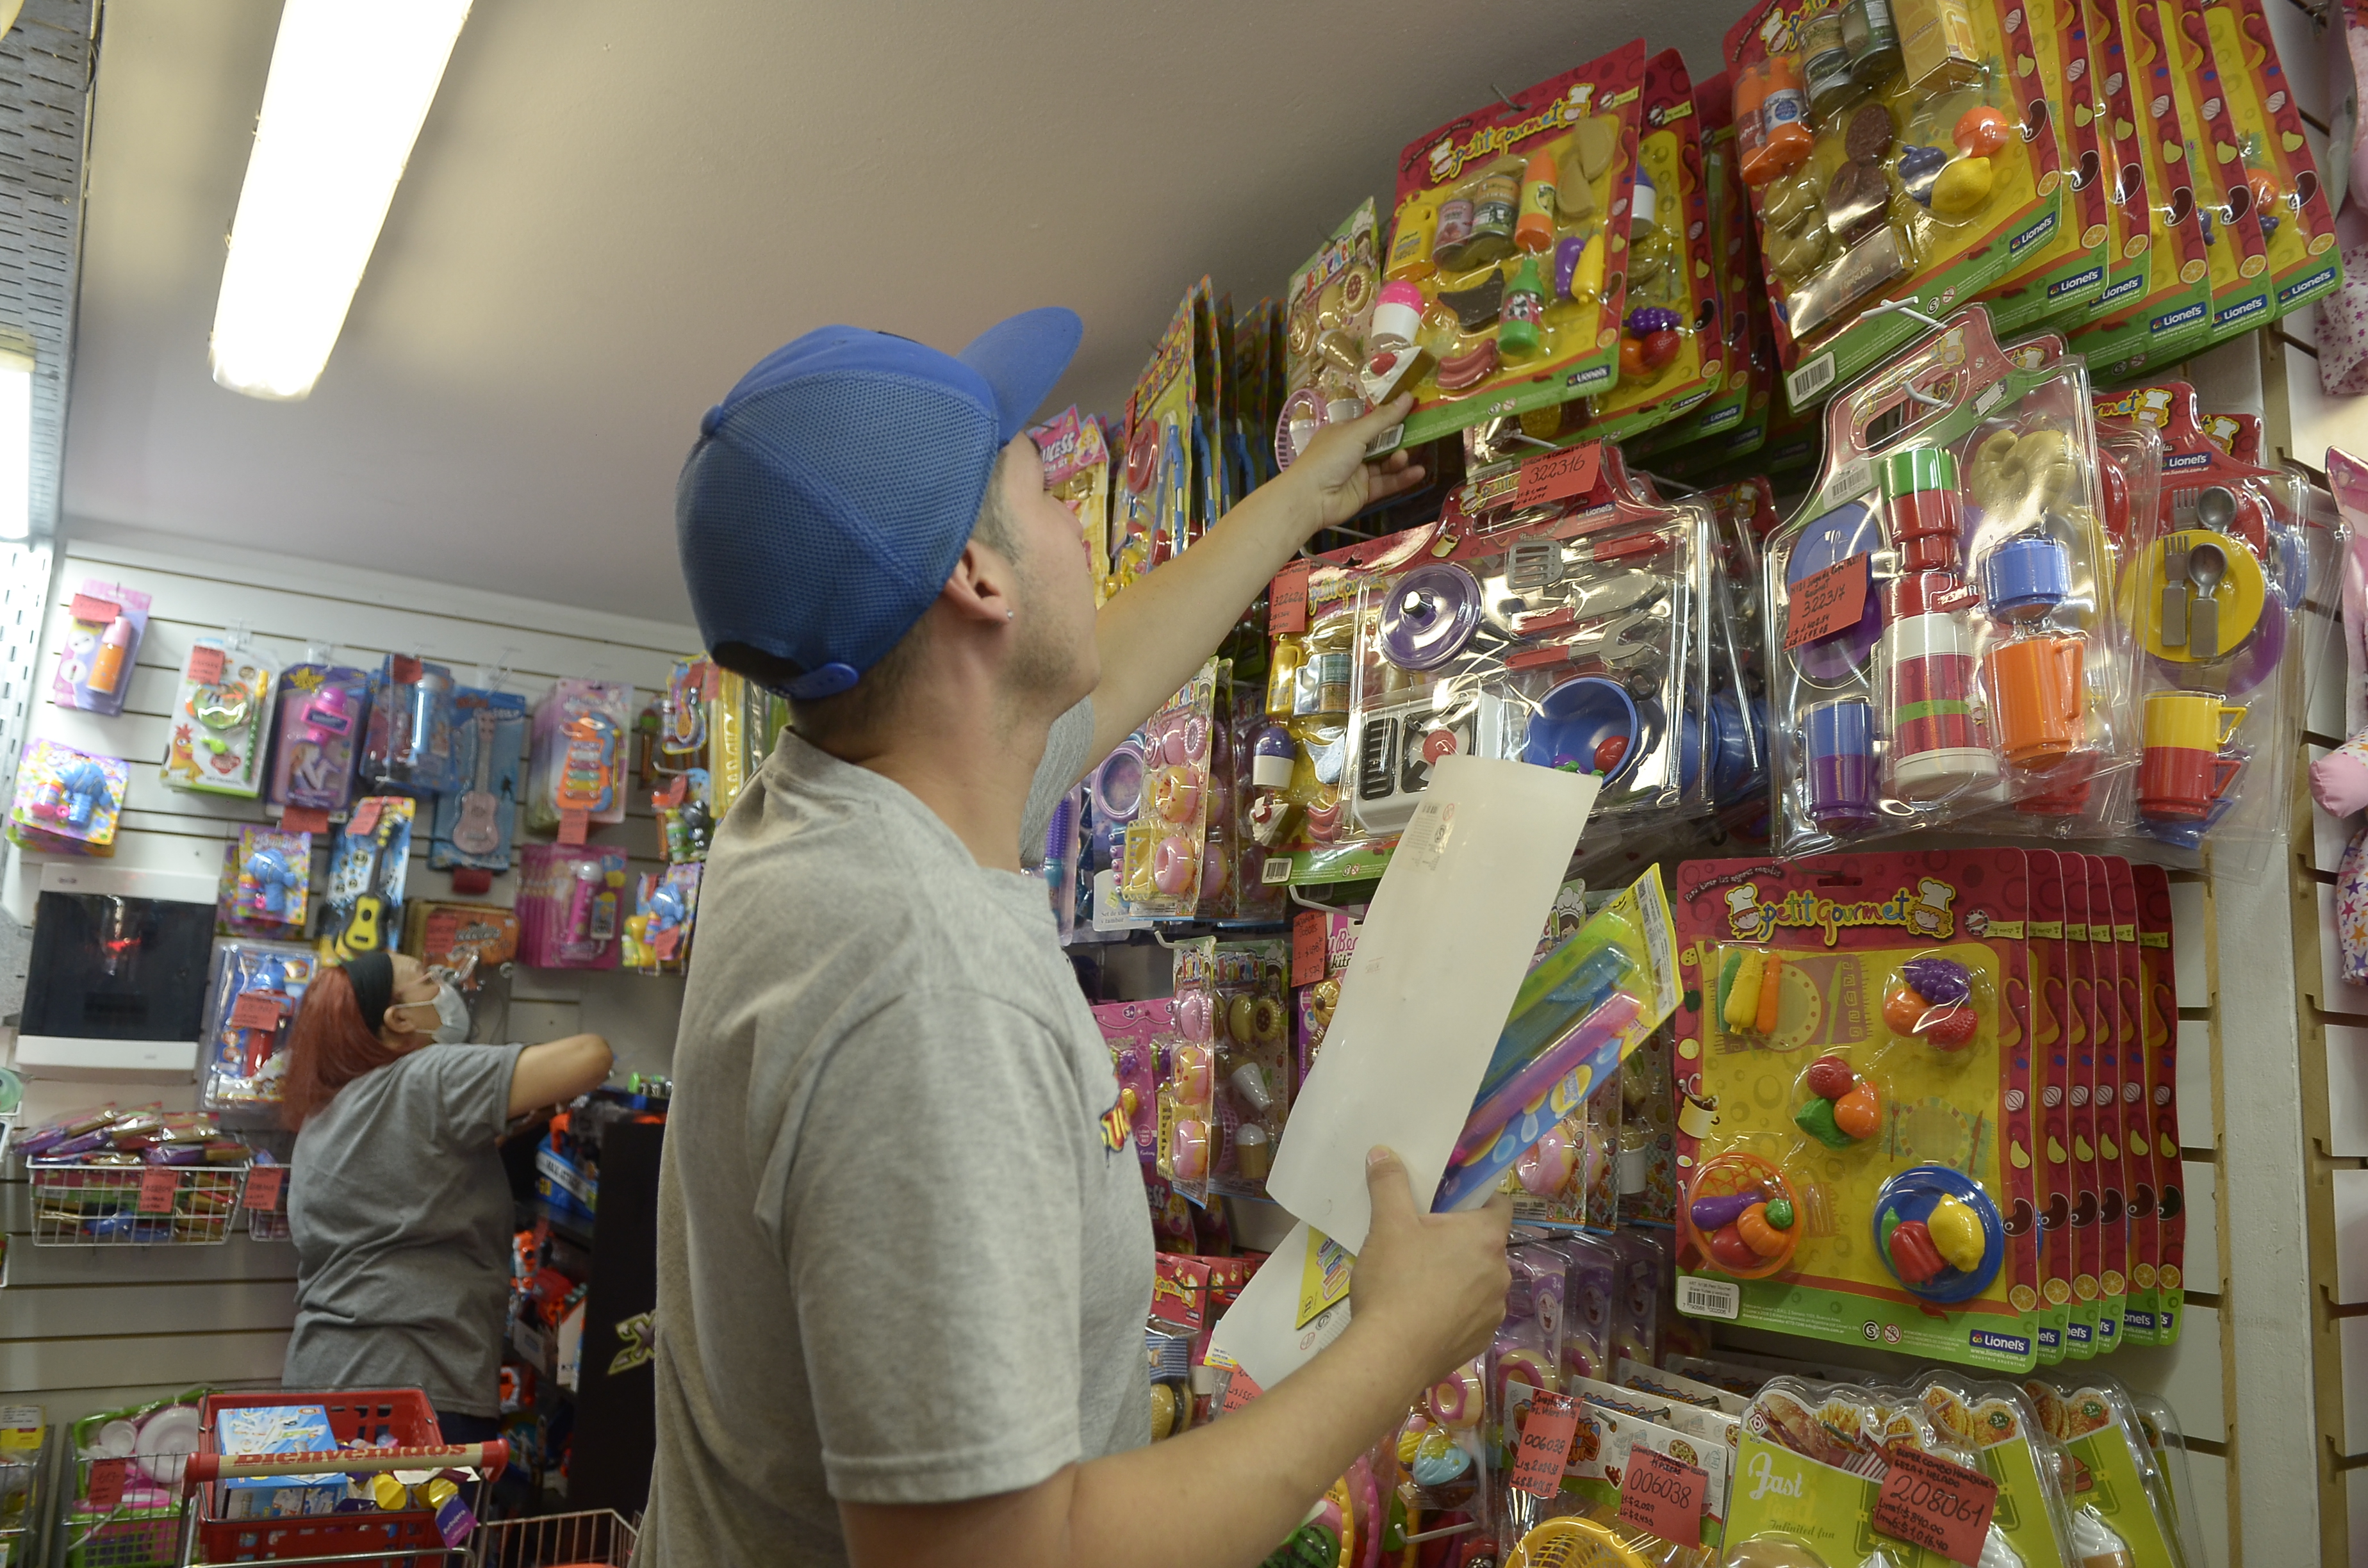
(1077,470)
(2122,1510)
(1249,1025)
(578,775)
(682,713)
(476,946)
(1510,231)
(2269,179)
(408,744)
(1854,1091)
(67,801)
(2157,1283)
(251,1000)
(1161,872)
(1329,315)
(1893,157)
(267,882)
(665,906)
(2063,278)
(2237,273)
(2213,600)
(221,720)
(744,721)
(2058,1036)
(323,714)
(570,905)
(1140,1035)
(1190,1138)
(1152,516)
(1941,1469)
(1943,636)
(475,823)
(363,900)
(105,622)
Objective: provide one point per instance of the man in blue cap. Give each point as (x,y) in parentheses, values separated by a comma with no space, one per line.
(903,1263)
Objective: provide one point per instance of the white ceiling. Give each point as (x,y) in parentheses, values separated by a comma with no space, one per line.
(616,208)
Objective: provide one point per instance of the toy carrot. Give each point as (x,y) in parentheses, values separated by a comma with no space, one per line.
(1764,1021)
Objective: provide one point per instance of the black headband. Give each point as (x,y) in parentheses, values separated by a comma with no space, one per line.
(372,975)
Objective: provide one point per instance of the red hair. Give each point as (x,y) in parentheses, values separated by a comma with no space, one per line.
(329,1046)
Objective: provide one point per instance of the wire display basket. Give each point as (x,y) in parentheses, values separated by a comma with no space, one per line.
(24,1497)
(141,1530)
(600,1535)
(84,1205)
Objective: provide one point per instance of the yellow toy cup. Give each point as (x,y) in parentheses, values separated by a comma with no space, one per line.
(2182,772)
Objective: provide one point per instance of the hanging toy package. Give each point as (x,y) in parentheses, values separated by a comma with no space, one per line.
(570,905)
(1160,873)
(2062,278)
(1255,1084)
(220,719)
(1152,515)
(1508,267)
(577,773)
(2215,597)
(67,801)
(1077,470)
(1943,635)
(266,883)
(475,824)
(1329,321)
(1854,1121)
(1186,1069)
(409,743)
(1888,161)
(252,1000)
(2122,1510)
(323,713)
(104,624)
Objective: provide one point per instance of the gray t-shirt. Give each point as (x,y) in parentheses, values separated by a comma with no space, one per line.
(901,1257)
(402,1218)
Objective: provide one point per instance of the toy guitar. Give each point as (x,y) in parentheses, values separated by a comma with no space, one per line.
(479,831)
(364,930)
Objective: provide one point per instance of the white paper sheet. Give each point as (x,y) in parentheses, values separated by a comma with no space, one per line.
(1260,1332)
(1451,932)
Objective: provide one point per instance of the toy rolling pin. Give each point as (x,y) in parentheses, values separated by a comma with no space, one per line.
(1533,1083)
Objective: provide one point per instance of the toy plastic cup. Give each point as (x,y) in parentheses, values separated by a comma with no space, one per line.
(1927,509)
(1575,720)
(2025,578)
(2035,700)
(2182,771)
(1937,749)
(1841,764)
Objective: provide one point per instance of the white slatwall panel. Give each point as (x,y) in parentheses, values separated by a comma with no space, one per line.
(88,1329)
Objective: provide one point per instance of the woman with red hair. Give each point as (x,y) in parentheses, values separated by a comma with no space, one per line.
(397,1200)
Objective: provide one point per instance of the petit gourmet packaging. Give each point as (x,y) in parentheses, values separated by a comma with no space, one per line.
(1892,158)
(1854,1078)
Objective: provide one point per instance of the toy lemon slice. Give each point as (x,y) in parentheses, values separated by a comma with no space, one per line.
(1575,1543)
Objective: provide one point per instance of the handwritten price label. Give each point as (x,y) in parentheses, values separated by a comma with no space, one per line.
(1240,1389)
(264,1186)
(404,669)
(1935,1505)
(1546,1432)
(1308,934)
(1286,612)
(1662,1497)
(205,664)
(303,819)
(157,1185)
(107,1483)
(1827,603)
(255,1010)
(1559,475)
(92,610)
(574,823)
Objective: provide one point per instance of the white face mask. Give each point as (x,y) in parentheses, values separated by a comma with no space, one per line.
(451,1015)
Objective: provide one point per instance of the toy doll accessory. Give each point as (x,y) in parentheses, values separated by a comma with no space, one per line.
(807,528)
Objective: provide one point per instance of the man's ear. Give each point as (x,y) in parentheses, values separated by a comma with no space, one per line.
(981,587)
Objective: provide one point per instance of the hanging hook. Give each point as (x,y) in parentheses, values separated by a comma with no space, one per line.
(1904,308)
(1501,98)
(1666,483)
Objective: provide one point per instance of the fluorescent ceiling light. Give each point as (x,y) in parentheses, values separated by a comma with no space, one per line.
(16,444)
(350,83)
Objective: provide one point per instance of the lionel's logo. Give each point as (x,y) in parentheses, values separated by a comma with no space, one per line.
(2319,279)
(2004,1344)
(1924,912)
(2075,283)
(2186,460)
(1764,1479)
(2176,318)
(1448,156)
(2237,313)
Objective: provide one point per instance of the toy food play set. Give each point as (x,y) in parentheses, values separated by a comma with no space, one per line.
(1076,469)
(1943,632)
(2062,278)
(1509,238)
(1161,869)
(1330,321)
(221,720)
(1891,158)
(105,622)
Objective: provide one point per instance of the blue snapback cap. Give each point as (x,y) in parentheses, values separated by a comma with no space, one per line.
(831,492)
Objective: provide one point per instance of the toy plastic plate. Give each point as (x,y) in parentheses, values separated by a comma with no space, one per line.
(1848,529)
(166,1441)
(1911,1195)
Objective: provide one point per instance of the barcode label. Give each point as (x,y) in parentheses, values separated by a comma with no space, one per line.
(1811,378)
(1990,397)
(1850,480)
(1277,870)
(1699,1298)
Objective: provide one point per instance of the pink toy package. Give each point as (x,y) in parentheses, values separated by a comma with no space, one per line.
(1138,1034)
(104,624)
(570,905)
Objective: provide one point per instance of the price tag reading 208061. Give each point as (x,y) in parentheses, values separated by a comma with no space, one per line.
(1936,1505)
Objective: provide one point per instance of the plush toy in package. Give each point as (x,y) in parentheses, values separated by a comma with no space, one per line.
(104,624)
(221,720)
(67,801)
(1505,284)
(1854,1080)
(1894,157)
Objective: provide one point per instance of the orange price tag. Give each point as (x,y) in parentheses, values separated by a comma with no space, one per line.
(157,1185)
(264,1186)
(107,1484)
(1942,1506)
(1557,476)
(1240,1389)
(255,1010)
(574,824)
(205,664)
(404,669)
(303,819)
(1827,603)
(1308,934)
(1546,1432)
(1286,612)
(1663,1497)
(364,822)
